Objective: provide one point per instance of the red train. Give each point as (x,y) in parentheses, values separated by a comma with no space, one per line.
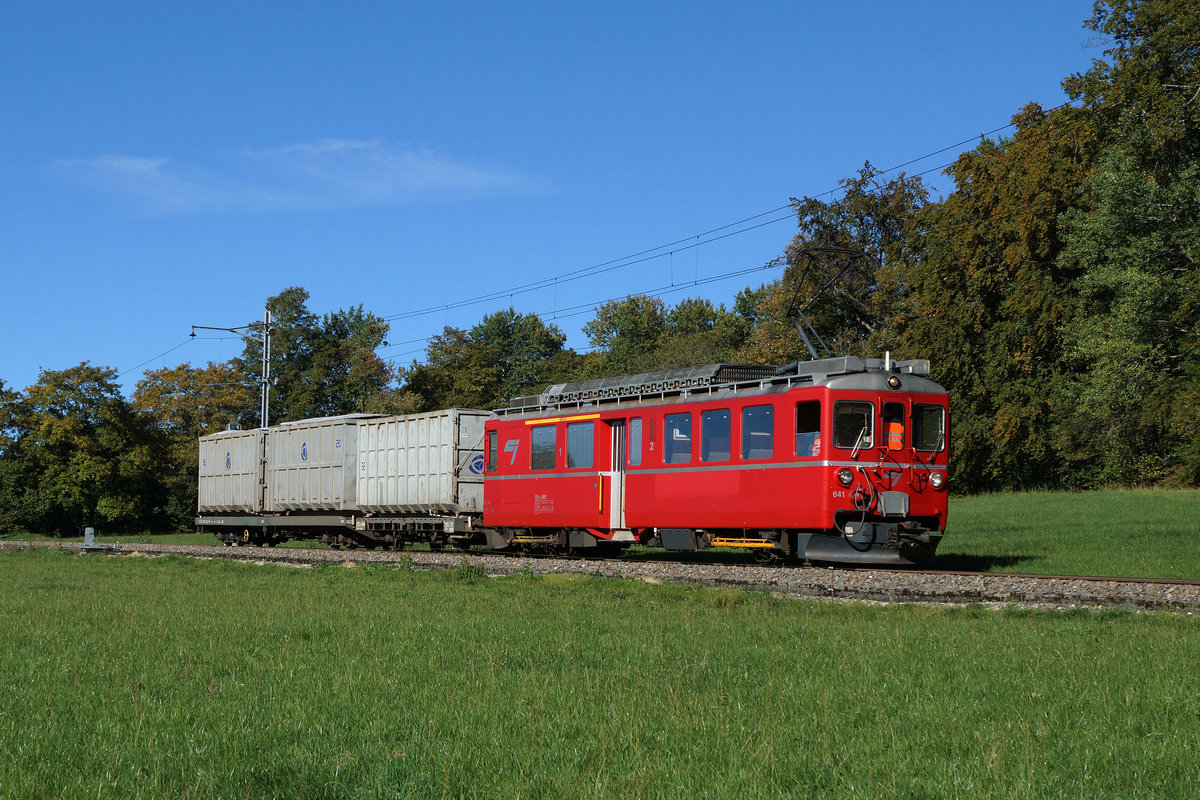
(839,459)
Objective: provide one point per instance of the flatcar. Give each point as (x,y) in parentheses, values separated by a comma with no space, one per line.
(830,460)
(840,459)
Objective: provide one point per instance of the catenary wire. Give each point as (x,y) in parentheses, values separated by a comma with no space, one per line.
(686,243)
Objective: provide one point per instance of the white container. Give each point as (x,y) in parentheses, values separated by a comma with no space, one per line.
(231,471)
(422,463)
(310,464)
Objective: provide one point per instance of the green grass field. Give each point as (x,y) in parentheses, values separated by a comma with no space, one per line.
(172,678)
(1148,533)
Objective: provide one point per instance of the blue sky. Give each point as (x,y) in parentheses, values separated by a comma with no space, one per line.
(171,164)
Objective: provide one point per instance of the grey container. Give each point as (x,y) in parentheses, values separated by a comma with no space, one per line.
(311,464)
(422,463)
(231,470)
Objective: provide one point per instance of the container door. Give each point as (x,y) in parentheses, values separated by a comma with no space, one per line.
(616,478)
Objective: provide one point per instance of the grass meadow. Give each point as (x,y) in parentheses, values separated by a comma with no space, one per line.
(1145,533)
(175,678)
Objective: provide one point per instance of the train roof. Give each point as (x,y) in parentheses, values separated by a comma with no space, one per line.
(848,372)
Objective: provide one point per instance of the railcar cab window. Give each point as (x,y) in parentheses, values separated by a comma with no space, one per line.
(492,448)
(893,426)
(853,424)
(581,437)
(808,429)
(677,439)
(635,441)
(758,432)
(715,435)
(929,428)
(541,447)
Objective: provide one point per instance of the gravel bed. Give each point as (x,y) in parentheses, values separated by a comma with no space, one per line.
(886,586)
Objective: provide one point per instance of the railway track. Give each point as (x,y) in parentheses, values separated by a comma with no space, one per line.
(864,584)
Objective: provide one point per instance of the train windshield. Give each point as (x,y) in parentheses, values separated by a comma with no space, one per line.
(929,428)
(853,424)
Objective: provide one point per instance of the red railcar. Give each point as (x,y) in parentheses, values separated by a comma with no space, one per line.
(840,459)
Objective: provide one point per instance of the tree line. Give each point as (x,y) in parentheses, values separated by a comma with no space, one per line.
(1055,289)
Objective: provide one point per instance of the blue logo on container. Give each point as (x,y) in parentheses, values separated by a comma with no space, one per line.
(476,465)
(228,461)
(304,451)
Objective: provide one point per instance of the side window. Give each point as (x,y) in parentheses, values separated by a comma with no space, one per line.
(581,437)
(853,424)
(808,428)
(758,432)
(492,448)
(893,426)
(929,428)
(542,447)
(677,439)
(715,433)
(635,441)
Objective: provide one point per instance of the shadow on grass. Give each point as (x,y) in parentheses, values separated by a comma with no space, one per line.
(965,563)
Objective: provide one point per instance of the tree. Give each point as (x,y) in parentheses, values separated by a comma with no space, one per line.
(12,511)
(347,372)
(1133,393)
(322,366)
(1127,383)
(506,355)
(77,454)
(699,332)
(186,403)
(987,298)
(524,348)
(1150,82)
(854,300)
(629,333)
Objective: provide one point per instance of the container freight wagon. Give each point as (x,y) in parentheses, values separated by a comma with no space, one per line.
(355,480)
(231,472)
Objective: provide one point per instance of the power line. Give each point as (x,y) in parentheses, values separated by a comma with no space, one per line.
(148,360)
(584,308)
(687,243)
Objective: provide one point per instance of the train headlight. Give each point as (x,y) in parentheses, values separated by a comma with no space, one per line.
(893,382)
(937,480)
(845,476)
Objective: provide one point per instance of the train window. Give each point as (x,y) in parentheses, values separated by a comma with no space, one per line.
(492,448)
(542,447)
(715,435)
(635,441)
(677,439)
(808,428)
(929,428)
(853,424)
(893,426)
(581,436)
(758,432)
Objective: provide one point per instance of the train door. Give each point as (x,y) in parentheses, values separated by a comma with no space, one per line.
(616,477)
